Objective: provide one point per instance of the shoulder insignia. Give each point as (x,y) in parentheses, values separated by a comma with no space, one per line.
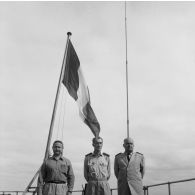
(118,154)
(139,153)
(88,154)
(106,154)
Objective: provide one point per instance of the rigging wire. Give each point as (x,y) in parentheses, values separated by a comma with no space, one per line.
(61,118)
(63,114)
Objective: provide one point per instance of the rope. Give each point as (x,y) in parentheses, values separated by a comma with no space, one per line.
(61,116)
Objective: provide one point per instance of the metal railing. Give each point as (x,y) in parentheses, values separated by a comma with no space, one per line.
(32,190)
(146,188)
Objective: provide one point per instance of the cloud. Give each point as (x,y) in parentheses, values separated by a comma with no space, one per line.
(161,82)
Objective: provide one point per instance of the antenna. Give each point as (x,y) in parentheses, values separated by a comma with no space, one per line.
(126,71)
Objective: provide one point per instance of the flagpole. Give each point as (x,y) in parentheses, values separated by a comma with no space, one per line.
(53,114)
(127,93)
(56,99)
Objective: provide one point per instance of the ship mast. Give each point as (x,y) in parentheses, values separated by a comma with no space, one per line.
(127,92)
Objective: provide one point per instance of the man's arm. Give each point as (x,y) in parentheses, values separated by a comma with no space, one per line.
(142,167)
(85,169)
(109,169)
(116,166)
(70,178)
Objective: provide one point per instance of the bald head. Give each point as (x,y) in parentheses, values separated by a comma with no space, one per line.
(128,140)
(128,145)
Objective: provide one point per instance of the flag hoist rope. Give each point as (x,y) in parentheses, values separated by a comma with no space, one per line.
(126,71)
(53,114)
(61,117)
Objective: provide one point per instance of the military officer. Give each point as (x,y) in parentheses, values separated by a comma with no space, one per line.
(129,168)
(56,177)
(97,170)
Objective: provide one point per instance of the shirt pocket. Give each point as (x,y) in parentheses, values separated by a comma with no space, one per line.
(64,168)
(91,166)
(103,164)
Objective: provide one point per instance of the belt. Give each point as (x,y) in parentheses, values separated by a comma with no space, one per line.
(57,182)
(96,180)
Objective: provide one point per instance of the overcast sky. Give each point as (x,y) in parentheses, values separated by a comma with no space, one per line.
(161,61)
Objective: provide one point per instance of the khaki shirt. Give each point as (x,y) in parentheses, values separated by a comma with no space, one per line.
(97,167)
(58,170)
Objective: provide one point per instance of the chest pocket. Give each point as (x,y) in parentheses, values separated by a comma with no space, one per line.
(92,165)
(103,163)
(64,168)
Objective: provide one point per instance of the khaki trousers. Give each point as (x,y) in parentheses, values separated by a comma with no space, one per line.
(55,189)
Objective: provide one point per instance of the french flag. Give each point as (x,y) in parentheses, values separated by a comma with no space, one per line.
(77,88)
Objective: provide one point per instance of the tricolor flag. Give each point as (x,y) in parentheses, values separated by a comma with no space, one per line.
(77,88)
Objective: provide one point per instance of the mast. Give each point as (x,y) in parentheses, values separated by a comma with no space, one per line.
(127,93)
(56,99)
(53,113)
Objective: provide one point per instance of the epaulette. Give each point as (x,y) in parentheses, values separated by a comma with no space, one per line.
(106,154)
(139,153)
(88,154)
(118,154)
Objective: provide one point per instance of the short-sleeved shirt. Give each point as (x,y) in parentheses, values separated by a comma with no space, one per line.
(97,167)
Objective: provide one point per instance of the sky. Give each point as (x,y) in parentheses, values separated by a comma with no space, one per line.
(161,69)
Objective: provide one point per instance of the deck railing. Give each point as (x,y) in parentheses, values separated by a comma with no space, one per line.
(146,188)
(32,190)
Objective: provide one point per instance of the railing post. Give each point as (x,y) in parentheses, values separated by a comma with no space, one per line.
(144,188)
(169,188)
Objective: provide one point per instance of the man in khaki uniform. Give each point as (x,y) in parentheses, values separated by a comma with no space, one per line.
(97,170)
(57,177)
(129,168)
